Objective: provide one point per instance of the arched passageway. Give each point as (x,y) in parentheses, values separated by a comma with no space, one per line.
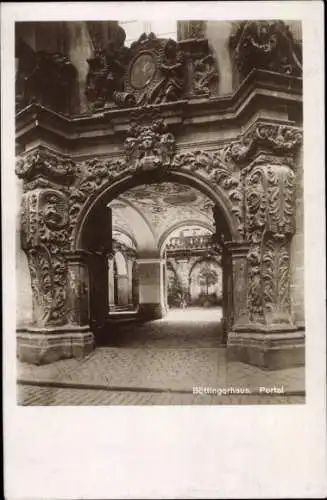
(155,216)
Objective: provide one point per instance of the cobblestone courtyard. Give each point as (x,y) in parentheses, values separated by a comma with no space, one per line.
(157,363)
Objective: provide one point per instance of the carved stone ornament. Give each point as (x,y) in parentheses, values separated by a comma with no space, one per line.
(44,238)
(43,77)
(151,71)
(214,167)
(42,168)
(107,66)
(202,68)
(281,140)
(269,226)
(267,45)
(149,147)
(156,73)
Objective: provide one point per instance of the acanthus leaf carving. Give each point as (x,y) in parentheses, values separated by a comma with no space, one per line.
(270,225)
(44,224)
(276,277)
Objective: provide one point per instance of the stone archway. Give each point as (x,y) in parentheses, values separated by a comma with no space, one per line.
(64,210)
(153,260)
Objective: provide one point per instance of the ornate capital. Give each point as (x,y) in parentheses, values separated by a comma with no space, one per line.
(267,45)
(41,168)
(279,142)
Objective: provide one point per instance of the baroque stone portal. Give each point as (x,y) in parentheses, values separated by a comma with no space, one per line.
(178,132)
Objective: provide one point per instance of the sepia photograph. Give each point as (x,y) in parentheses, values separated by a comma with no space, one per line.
(160,245)
(163,250)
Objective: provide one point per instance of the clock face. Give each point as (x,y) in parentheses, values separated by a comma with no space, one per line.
(142,71)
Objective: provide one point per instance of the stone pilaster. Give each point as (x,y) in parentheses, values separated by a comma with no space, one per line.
(59,330)
(264,331)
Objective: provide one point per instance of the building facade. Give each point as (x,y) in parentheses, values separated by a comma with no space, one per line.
(121,146)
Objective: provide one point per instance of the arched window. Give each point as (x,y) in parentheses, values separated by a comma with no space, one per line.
(162,29)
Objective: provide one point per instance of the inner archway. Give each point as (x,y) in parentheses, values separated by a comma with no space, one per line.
(180,216)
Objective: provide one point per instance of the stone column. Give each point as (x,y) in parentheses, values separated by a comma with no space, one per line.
(151,305)
(263,331)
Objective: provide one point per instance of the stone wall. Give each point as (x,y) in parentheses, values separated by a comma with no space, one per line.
(297,251)
(24,305)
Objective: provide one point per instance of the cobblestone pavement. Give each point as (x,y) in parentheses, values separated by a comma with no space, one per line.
(174,354)
(45,396)
(194,327)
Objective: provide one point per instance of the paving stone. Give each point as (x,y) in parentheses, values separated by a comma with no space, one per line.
(36,396)
(167,355)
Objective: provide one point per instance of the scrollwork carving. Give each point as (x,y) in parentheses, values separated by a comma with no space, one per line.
(210,164)
(151,147)
(44,236)
(282,140)
(270,224)
(41,168)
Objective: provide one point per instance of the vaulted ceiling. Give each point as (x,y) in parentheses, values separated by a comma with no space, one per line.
(162,207)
